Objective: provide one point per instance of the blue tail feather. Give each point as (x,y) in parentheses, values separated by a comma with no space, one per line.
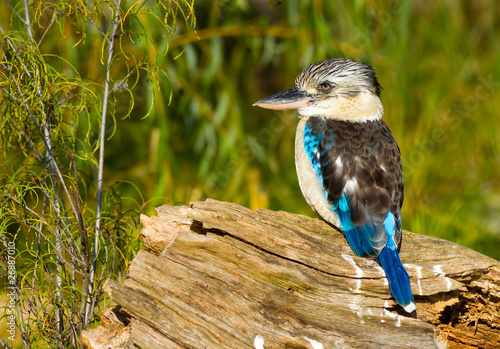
(359,243)
(399,281)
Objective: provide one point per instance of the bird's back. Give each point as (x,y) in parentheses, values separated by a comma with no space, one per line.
(356,162)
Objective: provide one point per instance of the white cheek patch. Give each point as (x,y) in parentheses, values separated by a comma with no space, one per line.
(363,107)
(311,111)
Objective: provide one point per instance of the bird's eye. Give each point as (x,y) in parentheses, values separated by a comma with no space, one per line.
(325,86)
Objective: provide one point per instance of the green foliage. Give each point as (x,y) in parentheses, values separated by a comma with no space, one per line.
(180,125)
(66,68)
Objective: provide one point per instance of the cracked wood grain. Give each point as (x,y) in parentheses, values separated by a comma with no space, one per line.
(218,275)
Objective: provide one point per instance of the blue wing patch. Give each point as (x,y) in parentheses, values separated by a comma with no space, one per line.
(313,136)
(365,240)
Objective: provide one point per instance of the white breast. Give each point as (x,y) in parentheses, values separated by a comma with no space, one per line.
(311,187)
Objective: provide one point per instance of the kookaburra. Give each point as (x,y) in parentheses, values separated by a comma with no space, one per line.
(348,162)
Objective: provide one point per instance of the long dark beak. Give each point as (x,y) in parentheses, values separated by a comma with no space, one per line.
(286,100)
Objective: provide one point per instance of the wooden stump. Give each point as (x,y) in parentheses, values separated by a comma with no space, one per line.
(218,275)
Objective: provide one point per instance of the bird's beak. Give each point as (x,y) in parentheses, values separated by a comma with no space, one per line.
(286,100)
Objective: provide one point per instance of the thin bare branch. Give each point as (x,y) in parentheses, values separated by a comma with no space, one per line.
(27,20)
(120,84)
(47,29)
(112,40)
(98,28)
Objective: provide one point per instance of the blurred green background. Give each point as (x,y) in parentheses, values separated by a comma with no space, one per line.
(438,65)
(436,60)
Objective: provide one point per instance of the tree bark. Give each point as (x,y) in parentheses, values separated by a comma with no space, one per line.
(218,275)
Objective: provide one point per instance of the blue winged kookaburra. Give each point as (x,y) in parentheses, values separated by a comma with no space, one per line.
(348,162)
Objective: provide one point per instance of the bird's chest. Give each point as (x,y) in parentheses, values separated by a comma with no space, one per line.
(310,180)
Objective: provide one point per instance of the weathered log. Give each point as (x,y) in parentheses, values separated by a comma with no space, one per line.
(218,275)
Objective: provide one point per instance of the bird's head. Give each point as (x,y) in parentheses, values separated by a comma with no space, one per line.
(340,89)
